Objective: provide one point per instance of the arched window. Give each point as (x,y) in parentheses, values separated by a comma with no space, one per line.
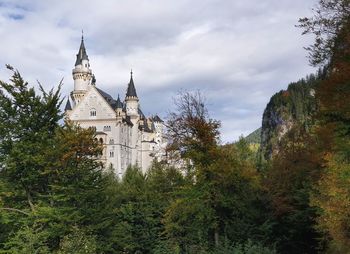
(92,112)
(111,154)
(101,141)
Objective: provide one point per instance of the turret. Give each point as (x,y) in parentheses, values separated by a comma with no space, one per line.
(158,126)
(82,73)
(68,106)
(119,109)
(131,99)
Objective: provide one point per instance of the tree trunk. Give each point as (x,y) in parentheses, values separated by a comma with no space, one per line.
(30,201)
(216,237)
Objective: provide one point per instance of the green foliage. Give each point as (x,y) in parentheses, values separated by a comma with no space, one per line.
(223,204)
(55,196)
(295,106)
(27,124)
(77,242)
(290,180)
(254,137)
(330,17)
(248,247)
(330,25)
(28,239)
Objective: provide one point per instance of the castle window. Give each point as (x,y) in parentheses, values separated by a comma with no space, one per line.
(111,141)
(92,112)
(111,154)
(101,140)
(107,128)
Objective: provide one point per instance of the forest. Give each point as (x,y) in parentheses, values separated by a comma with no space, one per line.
(290,195)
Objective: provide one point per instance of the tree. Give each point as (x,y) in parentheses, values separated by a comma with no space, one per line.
(218,202)
(331,25)
(50,179)
(78,242)
(191,131)
(29,239)
(330,18)
(28,123)
(290,180)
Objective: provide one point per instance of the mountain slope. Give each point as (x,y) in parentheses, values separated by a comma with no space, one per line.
(296,105)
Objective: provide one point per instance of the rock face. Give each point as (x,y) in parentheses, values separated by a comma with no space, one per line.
(286,109)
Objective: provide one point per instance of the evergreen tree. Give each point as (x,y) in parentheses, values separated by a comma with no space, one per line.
(331,26)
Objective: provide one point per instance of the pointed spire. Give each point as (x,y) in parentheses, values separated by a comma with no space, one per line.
(156,118)
(82,51)
(68,106)
(131,92)
(119,104)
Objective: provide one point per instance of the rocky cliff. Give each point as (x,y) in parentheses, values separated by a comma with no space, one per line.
(296,105)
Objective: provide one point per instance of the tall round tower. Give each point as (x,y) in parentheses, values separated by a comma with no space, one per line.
(131,100)
(82,74)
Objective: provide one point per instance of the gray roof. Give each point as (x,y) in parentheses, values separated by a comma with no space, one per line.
(68,106)
(112,102)
(119,104)
(131,92)
(81,53)
(156,118)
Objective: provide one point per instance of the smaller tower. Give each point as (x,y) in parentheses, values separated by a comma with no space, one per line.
(82,73)
(119,109)
(158,126)
(131,100)
(68,107)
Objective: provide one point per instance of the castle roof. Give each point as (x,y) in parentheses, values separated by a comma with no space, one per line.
(81,53)
(156,118)
(119,104)
(131,92)
(68,106)
(112,102)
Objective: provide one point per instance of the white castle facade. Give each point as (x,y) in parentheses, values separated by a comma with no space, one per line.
(127,135)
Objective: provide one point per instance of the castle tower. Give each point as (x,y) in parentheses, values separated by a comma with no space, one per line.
(131,100)
(119,109)
(82,74)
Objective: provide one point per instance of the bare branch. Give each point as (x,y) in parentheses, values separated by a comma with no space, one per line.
(14,210)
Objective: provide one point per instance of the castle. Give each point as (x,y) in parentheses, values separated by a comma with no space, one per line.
(127,135)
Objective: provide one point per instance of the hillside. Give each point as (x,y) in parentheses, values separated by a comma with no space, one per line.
(289,107)
(254,137)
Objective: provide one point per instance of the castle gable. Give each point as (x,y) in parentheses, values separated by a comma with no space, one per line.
(94,106)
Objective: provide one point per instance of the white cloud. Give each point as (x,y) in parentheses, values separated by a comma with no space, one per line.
(237,52)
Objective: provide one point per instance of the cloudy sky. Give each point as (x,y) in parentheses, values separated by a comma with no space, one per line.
(237,52)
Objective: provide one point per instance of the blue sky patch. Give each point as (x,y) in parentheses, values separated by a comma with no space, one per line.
(16,16)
